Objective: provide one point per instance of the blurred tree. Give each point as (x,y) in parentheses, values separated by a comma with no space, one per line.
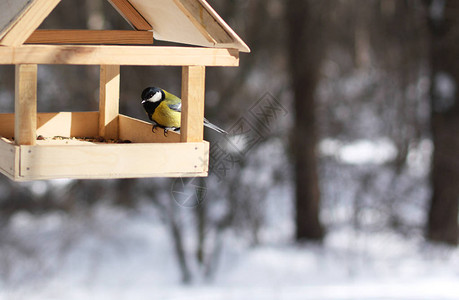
(306,23)
(375,87)
(443,214)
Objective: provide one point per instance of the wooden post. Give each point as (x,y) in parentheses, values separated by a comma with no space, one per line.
(193,90)
(131,14)
(109,101)
(25,105)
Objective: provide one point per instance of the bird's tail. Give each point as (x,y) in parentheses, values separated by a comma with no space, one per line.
(214,127)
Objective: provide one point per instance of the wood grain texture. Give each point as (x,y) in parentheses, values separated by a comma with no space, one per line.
(7,125)
(51,159)
(189,22)
(109,96)
(204,21)
(181,21)
(68,124)
(119,55)
(130,14)
(95,37)
(31,17)
(93,161)
(25,105)
(193,92)
(86,124)
(197,22)
(9,158)
(138,131)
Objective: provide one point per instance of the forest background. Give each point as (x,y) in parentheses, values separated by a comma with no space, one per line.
(346,163)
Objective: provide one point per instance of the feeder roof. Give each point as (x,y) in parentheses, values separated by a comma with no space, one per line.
(192,22)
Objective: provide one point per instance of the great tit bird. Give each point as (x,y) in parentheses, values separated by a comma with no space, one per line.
(165,110)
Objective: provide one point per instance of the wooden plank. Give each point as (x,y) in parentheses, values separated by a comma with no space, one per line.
(189,22)
(138,131)
(122,55)
(25,105)
(109,97)
(130,14)
(26,24)
(68,124)
(63,142)
(114,161)
(97,37)
(170,23)
(193,92)
(7,125)
(237,42)
(204,21)
(196,21)
(9,158)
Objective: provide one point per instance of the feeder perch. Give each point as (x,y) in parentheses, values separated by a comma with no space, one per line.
(23,157)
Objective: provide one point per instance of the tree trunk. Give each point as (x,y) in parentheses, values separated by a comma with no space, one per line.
(305,26)
(179,246)
(443,214)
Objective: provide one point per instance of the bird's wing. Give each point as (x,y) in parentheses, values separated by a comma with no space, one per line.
(175,106)
(174,102)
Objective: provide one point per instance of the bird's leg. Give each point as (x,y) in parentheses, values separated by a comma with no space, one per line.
(153,128)
(165,131)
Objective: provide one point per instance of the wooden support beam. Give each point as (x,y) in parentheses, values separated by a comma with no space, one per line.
(131,15)
(193,90)
(25,105)
(94,37)
(68,124)
(109,101)
(28,21)
(120,55)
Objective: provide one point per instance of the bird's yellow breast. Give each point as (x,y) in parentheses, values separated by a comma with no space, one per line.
(166,117)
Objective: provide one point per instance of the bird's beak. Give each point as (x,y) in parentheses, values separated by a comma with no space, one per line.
(143,101)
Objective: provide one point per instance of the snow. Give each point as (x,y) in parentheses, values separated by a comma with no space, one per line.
(437,10)
(113,253)
(116,254)
(419,157)
(363,151)
(444,91)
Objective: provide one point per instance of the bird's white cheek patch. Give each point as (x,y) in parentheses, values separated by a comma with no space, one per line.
(156,97)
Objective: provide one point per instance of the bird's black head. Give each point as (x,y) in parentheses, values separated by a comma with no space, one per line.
(152,94)
(151,98)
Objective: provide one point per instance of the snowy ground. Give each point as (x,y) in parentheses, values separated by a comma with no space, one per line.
(110,253)
(114,254)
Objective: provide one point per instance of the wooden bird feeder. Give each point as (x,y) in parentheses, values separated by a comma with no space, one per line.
(193,22)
